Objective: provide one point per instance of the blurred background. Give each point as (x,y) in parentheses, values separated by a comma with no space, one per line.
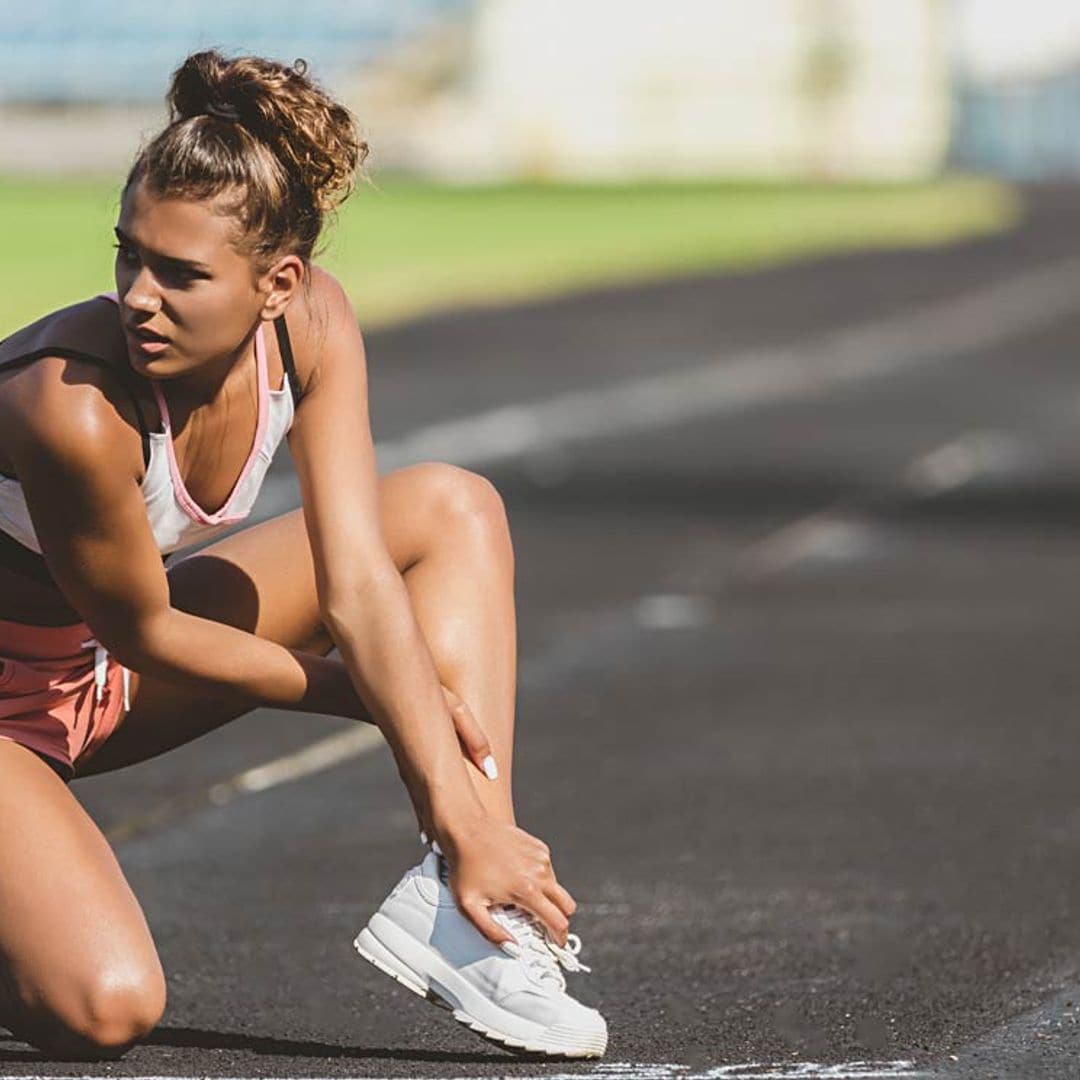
(762,316)
(573,143)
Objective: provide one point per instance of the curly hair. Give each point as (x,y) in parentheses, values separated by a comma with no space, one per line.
(260,136)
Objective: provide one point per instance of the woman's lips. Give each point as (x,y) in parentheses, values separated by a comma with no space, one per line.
(151,345)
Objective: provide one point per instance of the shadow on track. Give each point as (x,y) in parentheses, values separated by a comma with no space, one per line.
(271,1046)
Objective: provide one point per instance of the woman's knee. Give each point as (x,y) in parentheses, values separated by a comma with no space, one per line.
(463,501)
(98,1016)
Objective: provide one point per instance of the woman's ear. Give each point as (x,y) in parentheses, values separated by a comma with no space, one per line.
(280,283)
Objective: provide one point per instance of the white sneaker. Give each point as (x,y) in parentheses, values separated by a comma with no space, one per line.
(515,995)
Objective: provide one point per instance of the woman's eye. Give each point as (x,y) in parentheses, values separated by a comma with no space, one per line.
(178,273)
(171,273)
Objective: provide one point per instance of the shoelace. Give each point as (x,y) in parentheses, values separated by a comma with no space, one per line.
(101,672)
(535,947)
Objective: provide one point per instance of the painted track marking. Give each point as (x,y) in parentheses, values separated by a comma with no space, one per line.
(828,534)
(838,533)
(975,454)
(804,1070)
(324,754)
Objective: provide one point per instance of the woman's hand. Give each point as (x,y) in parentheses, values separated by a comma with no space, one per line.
(494,863)
(474,745)
(471,736)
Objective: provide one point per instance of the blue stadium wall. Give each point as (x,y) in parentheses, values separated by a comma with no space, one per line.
(123,51)
(1027,129)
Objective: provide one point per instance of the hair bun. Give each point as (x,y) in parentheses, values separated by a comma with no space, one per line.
(200,83)
(264,132)
(223,110)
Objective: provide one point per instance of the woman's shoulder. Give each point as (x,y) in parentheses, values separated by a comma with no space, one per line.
(58,399)
(88,326)
(319,315)
(318,303)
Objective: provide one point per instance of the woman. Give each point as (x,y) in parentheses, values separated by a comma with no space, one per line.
(126,433)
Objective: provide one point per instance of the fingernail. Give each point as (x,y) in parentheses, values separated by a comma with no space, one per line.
(491,770)
(423,838)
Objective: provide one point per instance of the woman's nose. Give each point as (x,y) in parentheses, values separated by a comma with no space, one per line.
(140,295)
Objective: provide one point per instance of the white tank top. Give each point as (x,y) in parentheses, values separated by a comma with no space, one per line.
(176,520)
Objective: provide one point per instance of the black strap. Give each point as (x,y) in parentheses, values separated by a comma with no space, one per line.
(285,347)
(27,562)
(75,354)
(23,560)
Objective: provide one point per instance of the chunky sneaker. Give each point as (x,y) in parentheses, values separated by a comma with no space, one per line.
(515,994)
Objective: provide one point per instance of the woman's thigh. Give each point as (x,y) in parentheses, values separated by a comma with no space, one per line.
(262,580)
(78,967)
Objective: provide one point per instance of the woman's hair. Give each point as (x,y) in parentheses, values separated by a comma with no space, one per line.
(268,141)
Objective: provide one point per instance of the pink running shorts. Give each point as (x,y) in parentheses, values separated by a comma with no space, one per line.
(50,700)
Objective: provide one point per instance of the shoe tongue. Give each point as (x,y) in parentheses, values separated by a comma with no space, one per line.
(434,866)
(518,920)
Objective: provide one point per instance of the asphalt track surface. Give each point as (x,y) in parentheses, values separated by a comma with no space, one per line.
(798,702)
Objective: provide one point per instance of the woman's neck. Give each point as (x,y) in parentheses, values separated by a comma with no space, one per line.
(213,380)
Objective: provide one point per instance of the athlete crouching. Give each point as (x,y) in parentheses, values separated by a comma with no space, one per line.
(141,422)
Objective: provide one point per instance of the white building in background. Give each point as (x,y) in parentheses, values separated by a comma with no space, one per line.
(1003,39)
(641,88)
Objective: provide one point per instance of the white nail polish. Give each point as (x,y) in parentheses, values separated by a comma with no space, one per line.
(491,770)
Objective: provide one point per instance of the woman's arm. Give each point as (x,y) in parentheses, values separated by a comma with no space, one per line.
(78,464)
(362,598)
(366,608)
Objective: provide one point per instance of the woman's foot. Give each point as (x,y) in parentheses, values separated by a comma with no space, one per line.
(515,994)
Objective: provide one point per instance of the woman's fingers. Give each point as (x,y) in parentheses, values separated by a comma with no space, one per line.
(562,899)
(547,912)
(477,912)
(471,735)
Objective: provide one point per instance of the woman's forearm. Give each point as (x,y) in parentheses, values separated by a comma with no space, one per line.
(395,676)
(194,651)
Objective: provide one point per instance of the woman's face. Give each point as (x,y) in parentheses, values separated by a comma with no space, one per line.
(178,276)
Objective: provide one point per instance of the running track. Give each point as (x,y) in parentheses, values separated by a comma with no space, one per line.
(799,691)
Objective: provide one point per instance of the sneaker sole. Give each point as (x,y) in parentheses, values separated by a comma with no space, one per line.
(398,954)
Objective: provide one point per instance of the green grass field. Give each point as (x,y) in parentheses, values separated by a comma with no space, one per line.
(406,248)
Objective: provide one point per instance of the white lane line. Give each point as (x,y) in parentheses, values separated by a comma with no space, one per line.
(836,533)
(828,535)
(673,611)
(323,754)
(855,1070)
(974,454)
(806,1070)
(320,755)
